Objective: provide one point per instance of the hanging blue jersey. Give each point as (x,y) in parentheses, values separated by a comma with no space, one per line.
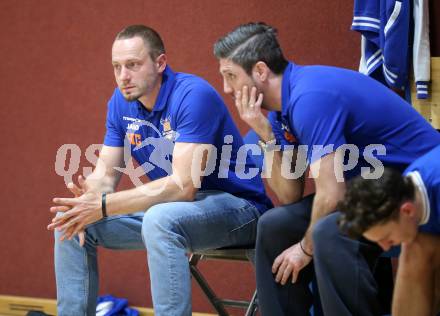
(187,110)
(428,167)
(385,27)
(329,107)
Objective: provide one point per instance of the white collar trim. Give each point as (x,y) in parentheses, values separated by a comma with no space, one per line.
(418,181)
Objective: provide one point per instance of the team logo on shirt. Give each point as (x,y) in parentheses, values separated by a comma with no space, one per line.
(288,134)
(167,131)
(166,125)
(133,127)
(132,130)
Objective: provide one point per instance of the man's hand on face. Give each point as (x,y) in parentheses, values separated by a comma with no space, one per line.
(249,108)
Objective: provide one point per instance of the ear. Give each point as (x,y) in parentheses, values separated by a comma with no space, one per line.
(261,71)
(408,209)
(161,63)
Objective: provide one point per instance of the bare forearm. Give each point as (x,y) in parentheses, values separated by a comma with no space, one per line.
(105,177)
(103,183)
(264,131)
(143,197)
(323,204)
(412,297)
(287,190)
(414,291)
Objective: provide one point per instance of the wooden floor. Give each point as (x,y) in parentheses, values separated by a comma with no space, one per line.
(19,306)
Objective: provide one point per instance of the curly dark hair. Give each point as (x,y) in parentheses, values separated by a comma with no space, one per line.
(368,202)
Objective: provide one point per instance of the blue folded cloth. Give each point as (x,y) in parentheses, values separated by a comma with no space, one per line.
(112,306)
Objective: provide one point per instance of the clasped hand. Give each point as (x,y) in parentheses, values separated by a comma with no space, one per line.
(78,212)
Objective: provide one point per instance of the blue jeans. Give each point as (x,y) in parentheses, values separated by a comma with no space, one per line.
(168,231)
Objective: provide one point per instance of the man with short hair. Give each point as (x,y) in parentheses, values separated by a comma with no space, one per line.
(175,125)
(337,115)
(402,209)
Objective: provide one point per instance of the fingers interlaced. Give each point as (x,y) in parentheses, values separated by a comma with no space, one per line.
(67,223)
(56,209)
(74,189)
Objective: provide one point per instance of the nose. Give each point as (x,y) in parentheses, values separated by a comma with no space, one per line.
(227,88)
(124,75)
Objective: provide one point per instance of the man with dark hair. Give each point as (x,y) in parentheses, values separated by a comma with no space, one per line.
(322,110)
(402,209)
(249,44)
(368,202)
(174,125)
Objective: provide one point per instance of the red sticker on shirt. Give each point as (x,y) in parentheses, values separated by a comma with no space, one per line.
(289,137)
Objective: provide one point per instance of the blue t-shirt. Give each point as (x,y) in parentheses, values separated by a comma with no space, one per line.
(328,106)
(187,110)
(428,167)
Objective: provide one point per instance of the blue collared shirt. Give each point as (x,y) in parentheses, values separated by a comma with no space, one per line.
(428,168)
(187,110)
(329,106)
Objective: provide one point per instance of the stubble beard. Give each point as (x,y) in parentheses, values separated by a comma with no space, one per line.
(131,96)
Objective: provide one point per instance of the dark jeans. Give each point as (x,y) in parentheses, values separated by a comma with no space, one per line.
(278,229)
(343,266)
(344,270)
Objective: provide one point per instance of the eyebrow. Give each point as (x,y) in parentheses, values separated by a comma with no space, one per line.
(127,61)
(222,71)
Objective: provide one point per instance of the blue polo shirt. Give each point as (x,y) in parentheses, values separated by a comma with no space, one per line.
(428,167)
(187,110)
(329,106)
